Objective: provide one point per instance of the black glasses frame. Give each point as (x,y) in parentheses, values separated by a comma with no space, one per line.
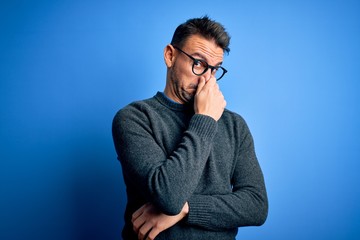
(207,66)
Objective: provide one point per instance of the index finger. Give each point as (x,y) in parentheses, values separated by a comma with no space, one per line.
(138,212)
(200,85)
(153,233)
(210,83)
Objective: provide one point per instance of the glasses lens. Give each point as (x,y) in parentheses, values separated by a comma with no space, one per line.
(199,67)
(219,73)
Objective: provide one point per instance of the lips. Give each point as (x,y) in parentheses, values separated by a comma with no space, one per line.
(192,87)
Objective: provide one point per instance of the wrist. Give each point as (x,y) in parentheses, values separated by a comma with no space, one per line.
(185,209)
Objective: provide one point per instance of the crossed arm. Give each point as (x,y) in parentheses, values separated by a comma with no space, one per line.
(246,205)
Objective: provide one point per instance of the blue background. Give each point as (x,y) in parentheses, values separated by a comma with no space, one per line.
(66,67)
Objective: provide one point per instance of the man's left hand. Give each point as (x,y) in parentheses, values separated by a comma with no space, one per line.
(148,221)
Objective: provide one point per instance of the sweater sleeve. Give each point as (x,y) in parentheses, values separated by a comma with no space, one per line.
(246,205)
(167,181)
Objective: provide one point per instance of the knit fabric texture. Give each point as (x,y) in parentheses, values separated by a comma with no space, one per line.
(170,155)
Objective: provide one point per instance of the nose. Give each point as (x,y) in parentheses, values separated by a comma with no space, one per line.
(207,74)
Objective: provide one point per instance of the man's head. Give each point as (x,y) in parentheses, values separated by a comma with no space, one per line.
(196,52)
(204,27)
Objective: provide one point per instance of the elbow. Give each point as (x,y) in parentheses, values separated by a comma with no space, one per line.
(168,198)
(261,212)
(167,201)
(169,206)
(262,216)
(257,210)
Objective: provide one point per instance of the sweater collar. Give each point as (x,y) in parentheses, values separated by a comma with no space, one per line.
(163,99)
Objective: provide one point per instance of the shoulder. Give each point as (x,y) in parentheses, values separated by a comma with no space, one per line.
(234,123)
(230,117)
(136,108)
(237,127)
(135,112)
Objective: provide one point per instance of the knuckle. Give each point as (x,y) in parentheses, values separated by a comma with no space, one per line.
(151,235)
(142,234)
(159,226)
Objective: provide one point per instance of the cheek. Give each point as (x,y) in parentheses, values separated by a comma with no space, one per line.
(183,68)
(183,76)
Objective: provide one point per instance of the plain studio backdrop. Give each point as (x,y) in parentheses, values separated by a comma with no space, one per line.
(66,67)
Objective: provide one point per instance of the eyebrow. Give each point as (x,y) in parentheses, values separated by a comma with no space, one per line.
(205,59)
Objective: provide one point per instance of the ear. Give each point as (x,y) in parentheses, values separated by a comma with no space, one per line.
(169,55)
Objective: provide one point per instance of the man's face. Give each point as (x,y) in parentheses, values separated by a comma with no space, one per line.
(182,82)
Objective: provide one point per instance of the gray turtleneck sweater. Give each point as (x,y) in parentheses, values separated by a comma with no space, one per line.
(170,156)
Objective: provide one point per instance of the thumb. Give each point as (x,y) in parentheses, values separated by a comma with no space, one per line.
(200,85)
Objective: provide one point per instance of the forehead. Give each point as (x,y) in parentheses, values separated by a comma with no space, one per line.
(197,44)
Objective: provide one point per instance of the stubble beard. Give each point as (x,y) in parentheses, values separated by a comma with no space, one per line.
(182,93)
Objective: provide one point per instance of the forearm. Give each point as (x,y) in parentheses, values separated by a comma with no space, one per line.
(174,181)
(165,179)
(246,204)
(221,212)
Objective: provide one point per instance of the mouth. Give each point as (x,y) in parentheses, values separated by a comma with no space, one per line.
(189,93)
(192,87)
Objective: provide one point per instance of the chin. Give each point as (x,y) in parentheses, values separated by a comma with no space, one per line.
(189,97)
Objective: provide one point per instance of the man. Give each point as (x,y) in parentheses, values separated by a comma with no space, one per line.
(188,163)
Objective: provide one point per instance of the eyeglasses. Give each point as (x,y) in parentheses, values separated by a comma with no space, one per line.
(200,67)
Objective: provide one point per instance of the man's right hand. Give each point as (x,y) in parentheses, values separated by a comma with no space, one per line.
(208,99)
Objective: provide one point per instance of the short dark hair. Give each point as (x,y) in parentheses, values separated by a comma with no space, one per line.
(205,27)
